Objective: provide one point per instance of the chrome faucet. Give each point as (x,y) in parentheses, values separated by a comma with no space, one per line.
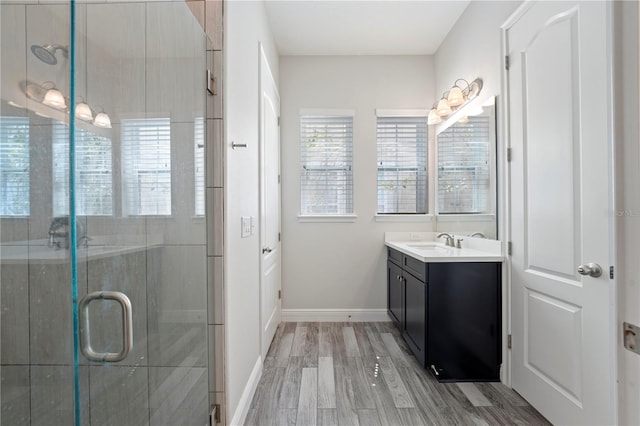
(59,228)
(449,239)
(478,234)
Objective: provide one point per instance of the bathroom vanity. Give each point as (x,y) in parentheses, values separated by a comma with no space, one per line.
(446,302)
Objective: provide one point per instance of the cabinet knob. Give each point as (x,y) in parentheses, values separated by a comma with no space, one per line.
(399,277)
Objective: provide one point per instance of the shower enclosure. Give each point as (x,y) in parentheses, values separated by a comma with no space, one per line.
(102,215)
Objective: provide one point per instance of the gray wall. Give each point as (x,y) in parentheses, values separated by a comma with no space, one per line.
(341,266)
(245,27)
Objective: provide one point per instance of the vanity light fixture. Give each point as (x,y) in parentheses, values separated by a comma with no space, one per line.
(458,95)
(47,94)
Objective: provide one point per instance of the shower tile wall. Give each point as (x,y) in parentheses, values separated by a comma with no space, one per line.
(135,61)
(215,155)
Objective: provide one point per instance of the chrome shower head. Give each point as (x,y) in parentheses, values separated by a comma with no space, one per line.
(47,53)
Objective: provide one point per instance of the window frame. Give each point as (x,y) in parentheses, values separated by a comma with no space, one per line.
(397,216)
(345,216)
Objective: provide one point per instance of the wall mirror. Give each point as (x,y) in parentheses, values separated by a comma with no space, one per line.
(466,187)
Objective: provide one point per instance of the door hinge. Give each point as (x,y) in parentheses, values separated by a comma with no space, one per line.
(509,248)
(278,178)
(508,154)
(279,294)
(278,120)
(214,416)
(610,272)
(506,62)
(211,83)
(279,237)
(508,341)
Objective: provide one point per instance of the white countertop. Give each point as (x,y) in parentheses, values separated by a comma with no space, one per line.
(424,248)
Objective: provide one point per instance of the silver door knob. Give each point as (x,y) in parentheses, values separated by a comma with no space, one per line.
(591,269)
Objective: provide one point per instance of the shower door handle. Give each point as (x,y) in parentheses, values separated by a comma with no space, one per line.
(85,329)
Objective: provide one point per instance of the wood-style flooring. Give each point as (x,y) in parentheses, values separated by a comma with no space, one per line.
(363,374)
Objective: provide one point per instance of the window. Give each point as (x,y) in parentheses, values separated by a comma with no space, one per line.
(402,164)
(198,137)
(94,172)
(146,166)
(14,166)
(464,167)
(326,158)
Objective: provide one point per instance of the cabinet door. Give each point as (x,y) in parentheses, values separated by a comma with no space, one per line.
(415,316)
(395,295)
(464,320)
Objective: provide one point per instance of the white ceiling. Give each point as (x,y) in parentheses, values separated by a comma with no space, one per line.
(361,27)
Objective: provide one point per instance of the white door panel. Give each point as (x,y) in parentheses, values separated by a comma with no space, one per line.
(559,134)
(270,280)
(562,366)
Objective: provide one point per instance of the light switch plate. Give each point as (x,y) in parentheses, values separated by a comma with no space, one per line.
(246,226)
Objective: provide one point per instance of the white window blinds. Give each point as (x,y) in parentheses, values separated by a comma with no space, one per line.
(14,166)
(326,160)
(464,167)
(146,166)
(198,137)
(402,165)
(94,172)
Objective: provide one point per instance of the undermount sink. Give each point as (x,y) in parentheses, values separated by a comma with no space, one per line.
(435,246)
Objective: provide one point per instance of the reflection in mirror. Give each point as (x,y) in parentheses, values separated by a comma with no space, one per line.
(466,171)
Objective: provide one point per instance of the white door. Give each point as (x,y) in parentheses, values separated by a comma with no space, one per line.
(269,205)
(562,321)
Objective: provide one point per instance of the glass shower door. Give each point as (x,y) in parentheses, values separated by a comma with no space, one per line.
(40,371)
(103,279)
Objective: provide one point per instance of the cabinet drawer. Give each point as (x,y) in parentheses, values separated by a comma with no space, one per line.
(416,267)
(394,255)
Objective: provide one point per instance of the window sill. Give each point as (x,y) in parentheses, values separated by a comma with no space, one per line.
(404,218)
(328,218)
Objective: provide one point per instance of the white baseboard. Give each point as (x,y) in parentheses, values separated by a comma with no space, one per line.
(334,315)
(240,415)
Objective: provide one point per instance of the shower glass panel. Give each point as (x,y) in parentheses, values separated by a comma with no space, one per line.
(125,224)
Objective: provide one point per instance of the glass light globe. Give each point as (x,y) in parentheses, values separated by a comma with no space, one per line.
(443,108)
(83,112)
(102,120)
(54,98)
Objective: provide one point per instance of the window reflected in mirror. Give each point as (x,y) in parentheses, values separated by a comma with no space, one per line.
(94,171)
(464,167)
(466,182)
(14,166)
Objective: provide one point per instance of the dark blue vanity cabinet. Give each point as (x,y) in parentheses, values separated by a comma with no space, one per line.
(449,314)
(406,298)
